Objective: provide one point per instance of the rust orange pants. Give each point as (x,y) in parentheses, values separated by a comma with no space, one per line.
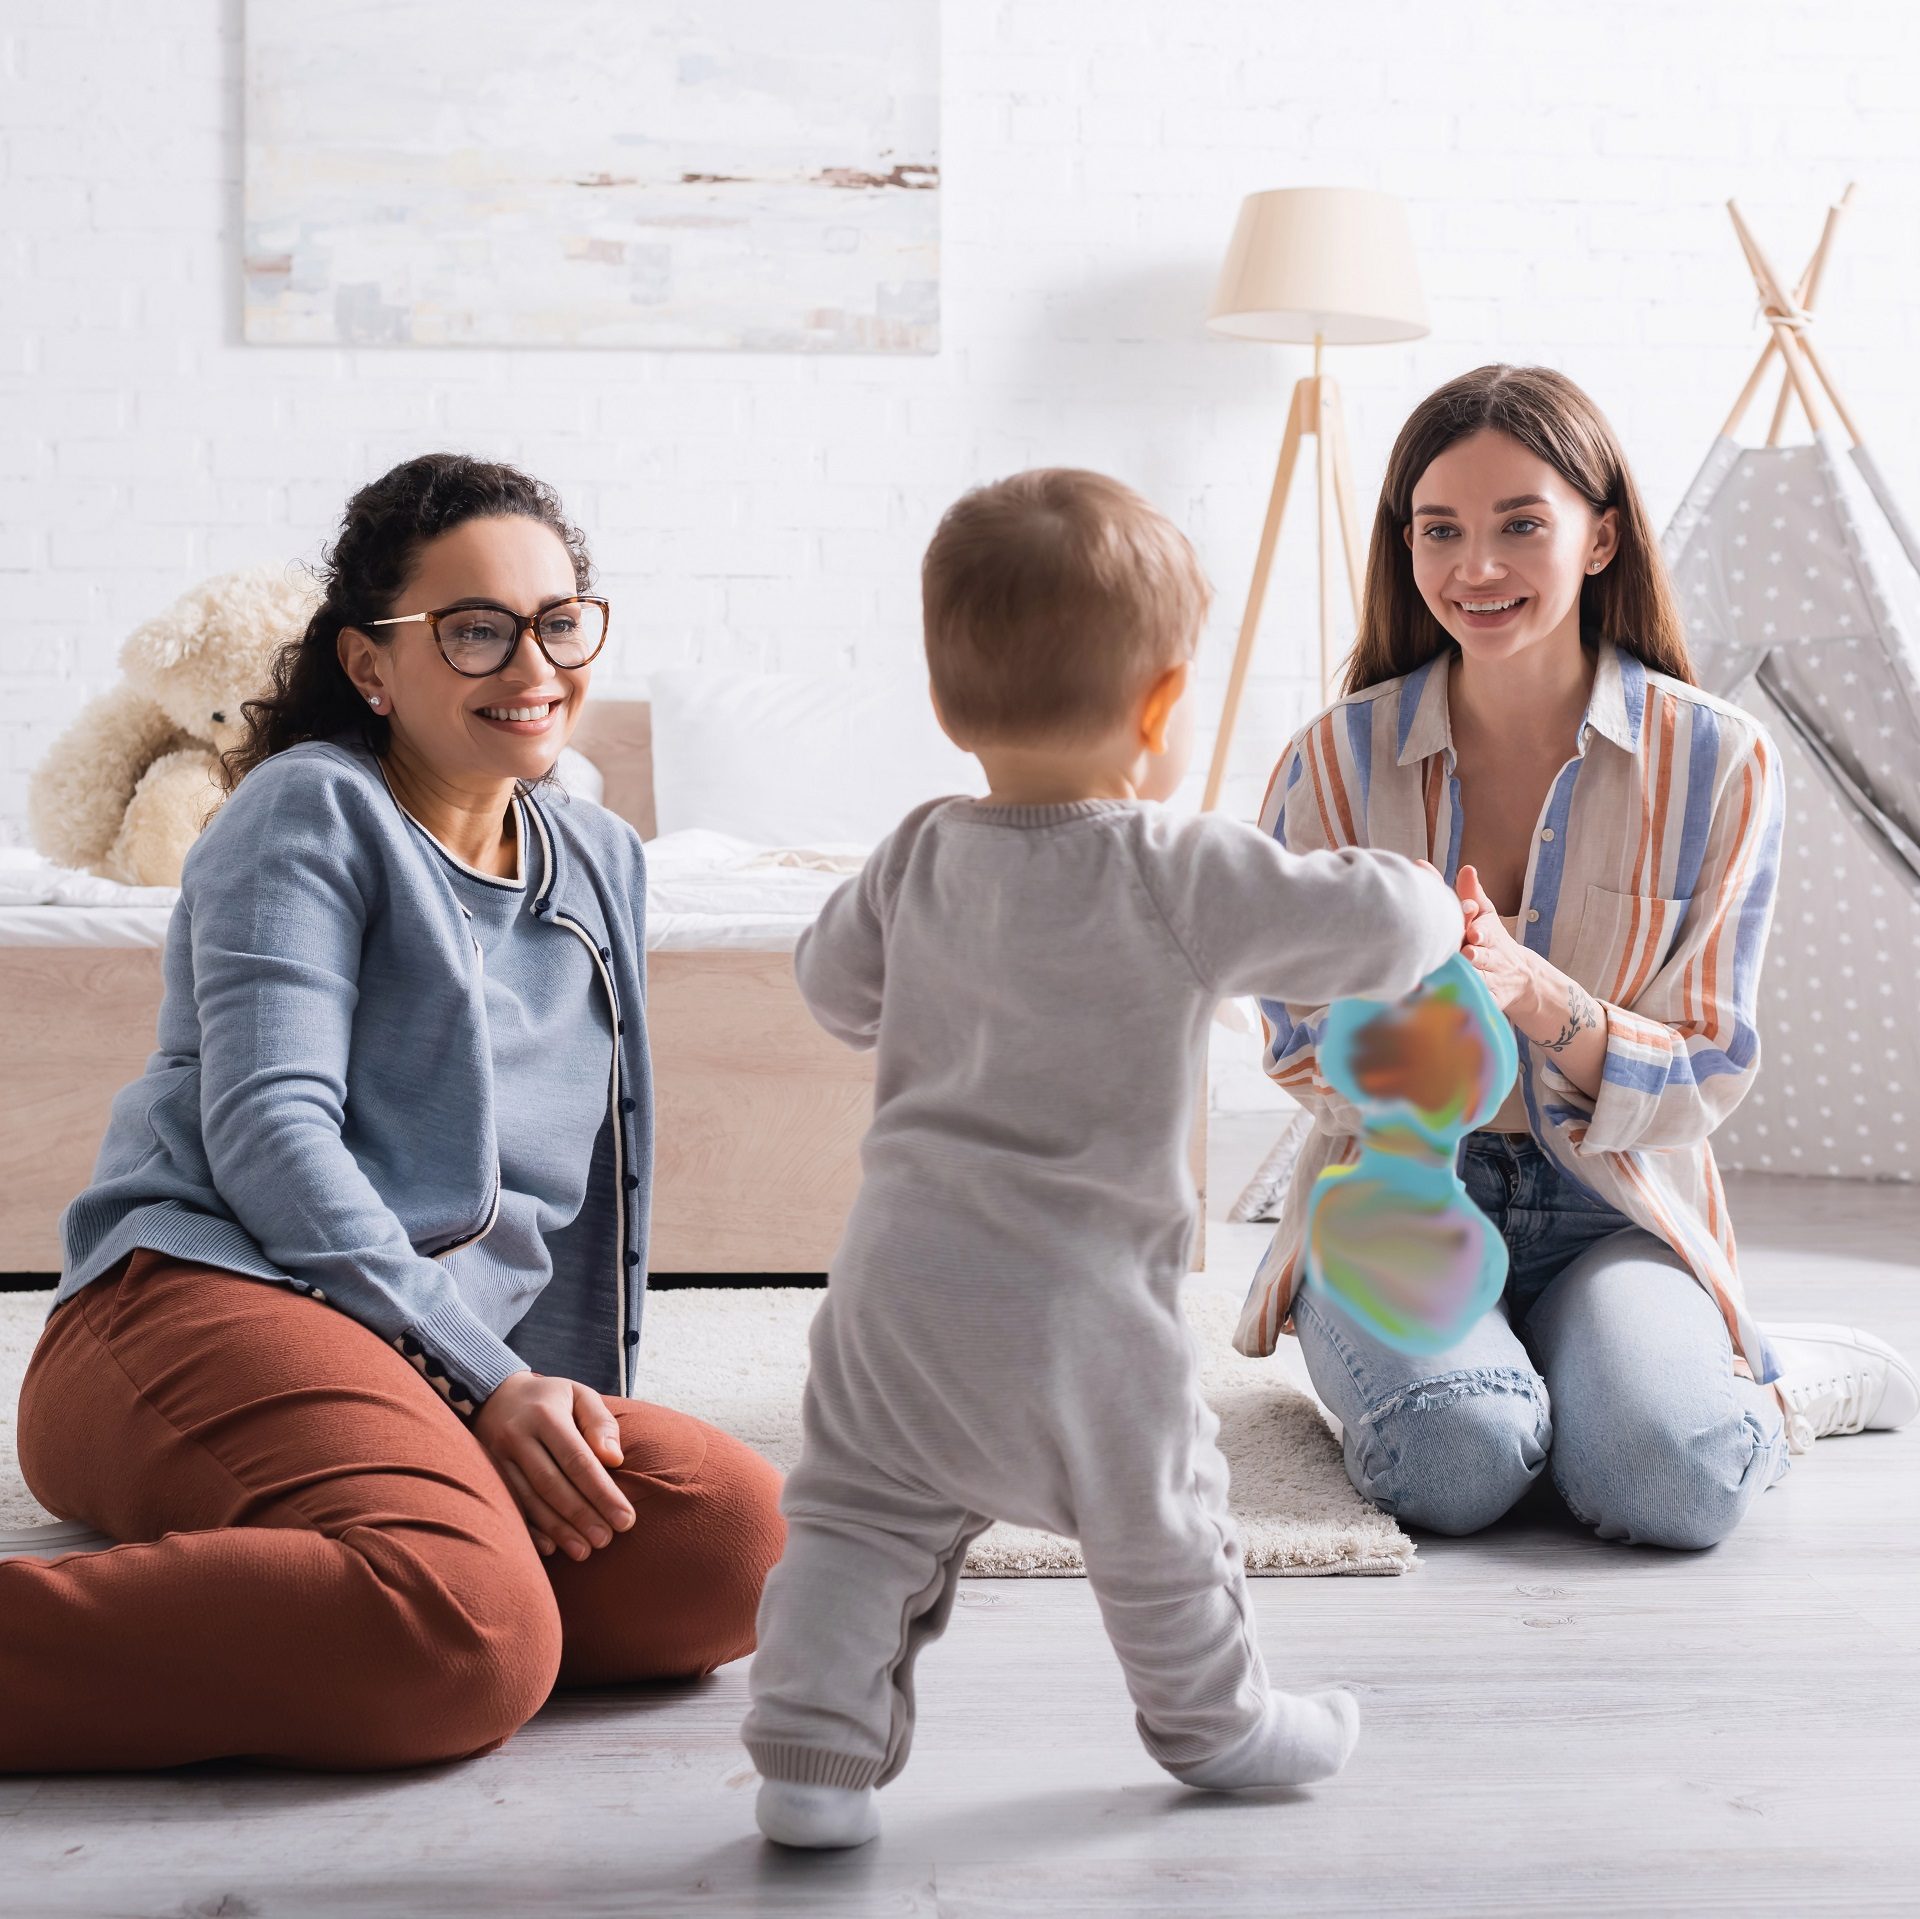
(323,1567)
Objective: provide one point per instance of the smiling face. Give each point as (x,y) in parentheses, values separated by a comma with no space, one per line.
(512,724)
(1501,545)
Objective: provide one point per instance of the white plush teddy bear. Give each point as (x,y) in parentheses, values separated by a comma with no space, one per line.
(126,789)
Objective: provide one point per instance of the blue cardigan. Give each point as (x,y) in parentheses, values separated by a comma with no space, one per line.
(320,1109)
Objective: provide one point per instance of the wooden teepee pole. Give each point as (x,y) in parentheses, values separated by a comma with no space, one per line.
(1789,333)
(1805,294)
(1752,387)
(1783,315)
(1792,336)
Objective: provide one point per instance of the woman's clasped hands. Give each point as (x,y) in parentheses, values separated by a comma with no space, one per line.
(553,1441)
(1506,968)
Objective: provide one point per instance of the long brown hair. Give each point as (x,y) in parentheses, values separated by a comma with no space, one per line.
(361,577)
(1630,602)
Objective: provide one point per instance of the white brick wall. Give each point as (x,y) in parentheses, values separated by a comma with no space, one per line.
(1565,165)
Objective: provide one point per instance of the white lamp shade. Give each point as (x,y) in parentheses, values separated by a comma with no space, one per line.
(1336,262)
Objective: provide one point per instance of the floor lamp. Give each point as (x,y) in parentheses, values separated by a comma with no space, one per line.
(1319,267)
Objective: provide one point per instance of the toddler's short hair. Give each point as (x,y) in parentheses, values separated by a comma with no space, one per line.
(1051,601)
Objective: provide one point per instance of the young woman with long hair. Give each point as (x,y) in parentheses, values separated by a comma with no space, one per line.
(1520,710)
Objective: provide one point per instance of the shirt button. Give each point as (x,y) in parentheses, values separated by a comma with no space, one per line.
(1546,832)
(1533,914)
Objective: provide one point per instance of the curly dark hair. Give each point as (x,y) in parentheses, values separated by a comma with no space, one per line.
(362,575)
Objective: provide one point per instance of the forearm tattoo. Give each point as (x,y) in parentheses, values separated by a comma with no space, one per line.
(1582,1017)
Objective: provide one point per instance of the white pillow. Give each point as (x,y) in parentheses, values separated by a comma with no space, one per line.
(795,759)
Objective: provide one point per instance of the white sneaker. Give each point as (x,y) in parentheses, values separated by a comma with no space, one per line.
(1837,1379)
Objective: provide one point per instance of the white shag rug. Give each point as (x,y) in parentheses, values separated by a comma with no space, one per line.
(738,1359)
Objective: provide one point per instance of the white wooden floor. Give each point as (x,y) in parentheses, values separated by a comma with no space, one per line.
(1552,1726)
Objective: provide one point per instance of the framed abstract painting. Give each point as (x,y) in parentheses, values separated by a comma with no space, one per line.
(733,174)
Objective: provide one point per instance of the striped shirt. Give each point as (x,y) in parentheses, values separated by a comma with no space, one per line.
(1650,880)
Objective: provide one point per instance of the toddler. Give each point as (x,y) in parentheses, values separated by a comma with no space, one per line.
(1002,1336)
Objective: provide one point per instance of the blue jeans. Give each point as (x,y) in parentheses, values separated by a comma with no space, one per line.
(1604,1359)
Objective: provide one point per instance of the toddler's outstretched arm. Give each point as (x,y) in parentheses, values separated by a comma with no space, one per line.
(1304,813)
(841,960)
(1307,928)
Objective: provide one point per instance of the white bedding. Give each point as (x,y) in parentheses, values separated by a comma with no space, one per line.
(704,890)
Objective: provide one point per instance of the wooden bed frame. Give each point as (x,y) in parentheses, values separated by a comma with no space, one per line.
(758,1114)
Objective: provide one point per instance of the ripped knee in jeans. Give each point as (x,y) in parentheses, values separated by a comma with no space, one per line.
(1453,1452)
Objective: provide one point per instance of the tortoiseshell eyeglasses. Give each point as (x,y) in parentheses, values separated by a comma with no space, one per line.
(477,637)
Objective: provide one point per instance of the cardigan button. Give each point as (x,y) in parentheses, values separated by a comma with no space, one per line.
(606,952)
(620,1026)
(633,1182)
(633,1336)
(633,1258)
(626,1105)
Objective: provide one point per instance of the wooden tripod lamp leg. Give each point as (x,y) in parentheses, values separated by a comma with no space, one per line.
(1323,514)
(1343,494)
(1316,424)
(1256,596)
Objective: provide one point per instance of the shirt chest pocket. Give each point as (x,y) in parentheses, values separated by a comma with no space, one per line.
(1623,941)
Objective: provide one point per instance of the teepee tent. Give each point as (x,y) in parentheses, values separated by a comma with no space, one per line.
(1800,582)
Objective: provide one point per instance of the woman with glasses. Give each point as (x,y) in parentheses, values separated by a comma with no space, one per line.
(346,1338)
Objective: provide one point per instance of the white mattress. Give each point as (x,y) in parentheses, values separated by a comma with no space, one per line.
(704,890)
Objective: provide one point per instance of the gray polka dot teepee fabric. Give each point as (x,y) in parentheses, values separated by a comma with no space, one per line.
(1800,584)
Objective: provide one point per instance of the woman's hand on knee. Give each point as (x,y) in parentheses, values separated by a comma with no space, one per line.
(553,1441)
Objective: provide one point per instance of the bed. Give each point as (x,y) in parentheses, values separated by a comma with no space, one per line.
(758,1114)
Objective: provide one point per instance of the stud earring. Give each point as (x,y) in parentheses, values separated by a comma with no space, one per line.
(373,700)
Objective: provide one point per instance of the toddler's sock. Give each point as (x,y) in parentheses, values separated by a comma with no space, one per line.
(1300,1739)
(820,1817)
